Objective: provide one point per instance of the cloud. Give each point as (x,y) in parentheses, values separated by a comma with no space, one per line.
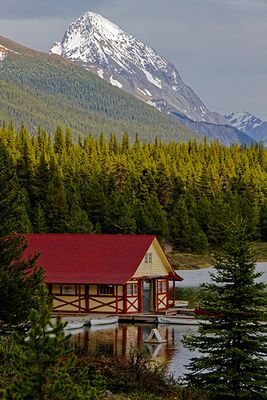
(39,9)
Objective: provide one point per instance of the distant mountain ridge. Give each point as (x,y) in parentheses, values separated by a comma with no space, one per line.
(249,124)
(225,134)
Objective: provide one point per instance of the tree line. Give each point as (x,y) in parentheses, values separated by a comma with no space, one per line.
(186,193)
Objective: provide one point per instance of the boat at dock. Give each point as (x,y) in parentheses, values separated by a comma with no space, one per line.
(181,304)
(112,319)
(73,325)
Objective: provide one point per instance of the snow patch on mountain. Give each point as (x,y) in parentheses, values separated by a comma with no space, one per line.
(3,52)
(115,83)
(100,45)
(100,73)
(2,55)
(152,79)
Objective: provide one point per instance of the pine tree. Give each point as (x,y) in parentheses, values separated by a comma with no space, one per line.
(45,365)
(19,279)
(56,201)
(155,219)
(119,216)
(232,341)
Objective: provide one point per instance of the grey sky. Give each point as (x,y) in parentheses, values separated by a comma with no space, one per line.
(218,46)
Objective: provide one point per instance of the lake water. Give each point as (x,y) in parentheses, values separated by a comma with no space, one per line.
(193,278)
(120,339)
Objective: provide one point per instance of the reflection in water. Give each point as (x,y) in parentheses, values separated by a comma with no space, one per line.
(121,339)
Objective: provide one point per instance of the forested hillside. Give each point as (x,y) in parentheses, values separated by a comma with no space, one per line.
(186,193)
(38,89)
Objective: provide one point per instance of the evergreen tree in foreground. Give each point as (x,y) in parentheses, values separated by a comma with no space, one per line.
(19,280)
(45,365)
(231,340)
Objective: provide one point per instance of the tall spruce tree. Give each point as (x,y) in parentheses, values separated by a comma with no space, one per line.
(232,341)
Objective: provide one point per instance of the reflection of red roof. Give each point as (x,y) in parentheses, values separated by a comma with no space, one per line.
(84,258)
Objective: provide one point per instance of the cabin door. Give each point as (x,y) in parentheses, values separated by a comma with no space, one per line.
(146,296)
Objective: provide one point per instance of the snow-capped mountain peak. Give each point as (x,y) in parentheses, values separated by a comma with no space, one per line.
(243,121)
(91,27)
(249,124)
(126,62)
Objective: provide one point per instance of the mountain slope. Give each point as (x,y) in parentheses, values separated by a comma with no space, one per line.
(126,62)
(39,89)
(249,124)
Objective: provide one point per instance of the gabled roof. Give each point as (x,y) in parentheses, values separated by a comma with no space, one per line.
(87,258)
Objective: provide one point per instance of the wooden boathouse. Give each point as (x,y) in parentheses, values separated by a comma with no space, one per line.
(115,274)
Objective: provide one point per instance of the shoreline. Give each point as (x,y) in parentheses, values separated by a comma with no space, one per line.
(191,261)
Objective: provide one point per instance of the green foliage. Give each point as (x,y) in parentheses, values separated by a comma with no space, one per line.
(9,353)
(19,280)
(135,374)
(13,214)
(45,365)
(138,377)
(184,193)
(232,342)
(191,295)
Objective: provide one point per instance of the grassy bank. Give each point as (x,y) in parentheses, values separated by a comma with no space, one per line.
(181,260)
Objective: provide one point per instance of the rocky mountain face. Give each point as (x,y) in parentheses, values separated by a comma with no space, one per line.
(126,62)
(249,124)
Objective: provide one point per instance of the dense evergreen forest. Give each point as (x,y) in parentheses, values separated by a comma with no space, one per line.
(185,193)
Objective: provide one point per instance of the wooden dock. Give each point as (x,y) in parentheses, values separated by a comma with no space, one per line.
(146,318)
(140,318)
(151,318)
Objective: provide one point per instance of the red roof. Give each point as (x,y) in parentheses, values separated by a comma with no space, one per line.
(84,258)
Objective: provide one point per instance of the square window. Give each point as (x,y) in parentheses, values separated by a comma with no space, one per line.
(106,290)
(132,289)
(148,258)
(68,289)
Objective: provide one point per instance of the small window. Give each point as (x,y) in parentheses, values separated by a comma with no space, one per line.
(131,289)
(107,290)
(148,258)
(68,289)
